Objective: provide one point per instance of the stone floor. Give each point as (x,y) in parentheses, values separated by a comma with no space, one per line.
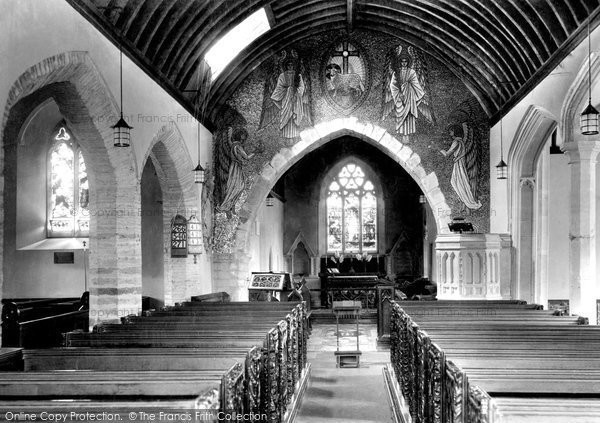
(345,395)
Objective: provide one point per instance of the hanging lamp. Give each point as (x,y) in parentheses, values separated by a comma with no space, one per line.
(203,81)
(501,167)
(589,117)
(269,201)
(121,129)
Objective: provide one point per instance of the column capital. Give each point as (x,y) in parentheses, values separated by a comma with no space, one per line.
(581,150)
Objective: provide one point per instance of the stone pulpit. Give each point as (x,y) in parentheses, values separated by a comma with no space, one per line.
(473,266)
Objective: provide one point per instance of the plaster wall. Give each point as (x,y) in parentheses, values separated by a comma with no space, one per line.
(558,234)
(550,94)
(560,97)
(33,273)
(152,235)
(265,244)
(147,107)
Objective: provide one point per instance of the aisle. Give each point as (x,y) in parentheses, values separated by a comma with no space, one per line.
(345,395)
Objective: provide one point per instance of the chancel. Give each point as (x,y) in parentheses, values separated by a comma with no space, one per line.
(221,205)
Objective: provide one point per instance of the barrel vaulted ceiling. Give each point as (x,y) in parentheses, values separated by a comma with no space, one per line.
(500,49)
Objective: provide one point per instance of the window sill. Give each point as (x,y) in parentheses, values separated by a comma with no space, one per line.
(57,244)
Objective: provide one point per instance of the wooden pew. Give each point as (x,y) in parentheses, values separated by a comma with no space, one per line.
(154,359)
(39,323)
(282,365)
(428,373)
(11,359)
(214,297)
(201,388)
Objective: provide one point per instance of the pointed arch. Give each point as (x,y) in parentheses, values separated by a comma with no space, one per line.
(317,136)
(531,136)
(577,94)
(72,80)
(173,163)
(231,270)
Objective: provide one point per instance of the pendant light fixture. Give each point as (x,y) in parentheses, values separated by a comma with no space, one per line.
(121,129)
(589,117)
(501,167)
(203,81)
(269,201)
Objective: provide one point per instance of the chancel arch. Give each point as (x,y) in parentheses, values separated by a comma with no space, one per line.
(235,265)
(73,83)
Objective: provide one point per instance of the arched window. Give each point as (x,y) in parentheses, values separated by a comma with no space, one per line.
(68,190)
(351,212)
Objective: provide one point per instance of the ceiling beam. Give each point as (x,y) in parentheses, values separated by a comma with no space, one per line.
(350,14)
(563,51)
(99,21)
(270,16)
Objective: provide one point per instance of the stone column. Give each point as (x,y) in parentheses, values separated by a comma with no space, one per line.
(231,274)
(525,279)
(583,284)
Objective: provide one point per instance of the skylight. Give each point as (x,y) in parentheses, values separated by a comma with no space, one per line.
(224,50)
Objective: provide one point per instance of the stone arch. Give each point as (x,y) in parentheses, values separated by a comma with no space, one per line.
(531,136)
(315,137)
(174,165)
(85,101)
(231,270)
(575,99)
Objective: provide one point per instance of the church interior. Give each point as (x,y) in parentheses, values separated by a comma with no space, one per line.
(228,202)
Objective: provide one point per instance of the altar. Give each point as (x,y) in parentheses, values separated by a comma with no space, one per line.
(361,288)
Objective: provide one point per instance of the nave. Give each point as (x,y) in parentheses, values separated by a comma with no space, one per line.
(336,395)
(444,361)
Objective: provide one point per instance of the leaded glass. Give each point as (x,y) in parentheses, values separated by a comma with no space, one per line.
(369,222)
(68,199)
(61,189)
(334,222)
(351,212)
(351,223)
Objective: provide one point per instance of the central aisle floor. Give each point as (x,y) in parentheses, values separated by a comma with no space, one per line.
(347,395)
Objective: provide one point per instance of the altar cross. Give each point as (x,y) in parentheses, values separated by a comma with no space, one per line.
(344,53)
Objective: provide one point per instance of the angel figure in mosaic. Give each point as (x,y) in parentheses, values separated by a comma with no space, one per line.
(466,150)
(286,98)
(406,94)
(234,154)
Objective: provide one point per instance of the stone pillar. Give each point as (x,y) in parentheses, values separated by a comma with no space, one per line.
(471,266)
(231,274)
(525,266)
(583,284)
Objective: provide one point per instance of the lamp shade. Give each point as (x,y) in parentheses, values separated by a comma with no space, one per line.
(269,201)
(199,174)
(501,170)
(589,120)
(121,133)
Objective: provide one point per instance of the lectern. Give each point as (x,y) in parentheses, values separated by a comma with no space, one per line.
(347,310)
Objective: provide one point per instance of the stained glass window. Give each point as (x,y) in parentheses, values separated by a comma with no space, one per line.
(68,189)
(351,212)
